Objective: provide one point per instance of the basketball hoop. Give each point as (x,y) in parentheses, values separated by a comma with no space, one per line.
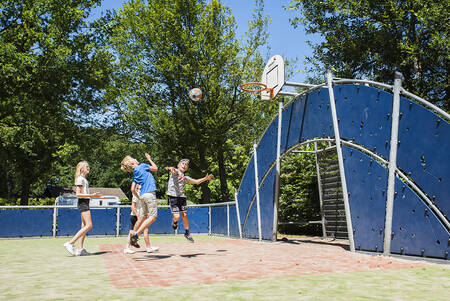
(262,87)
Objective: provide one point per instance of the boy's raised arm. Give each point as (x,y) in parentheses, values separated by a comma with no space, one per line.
(199,181)
(153,166)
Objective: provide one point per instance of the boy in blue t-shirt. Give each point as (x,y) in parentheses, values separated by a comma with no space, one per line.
(143,177)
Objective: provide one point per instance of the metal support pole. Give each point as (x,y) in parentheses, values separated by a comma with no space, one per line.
(341,161)
(55,214)
(209,220)
(319,184)
(392,163)
(258,210)
(117,221)
(278,171)
(237,213)
(228,220)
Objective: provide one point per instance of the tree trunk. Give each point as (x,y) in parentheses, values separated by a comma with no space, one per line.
(222,175)
(25,194)
(206,192)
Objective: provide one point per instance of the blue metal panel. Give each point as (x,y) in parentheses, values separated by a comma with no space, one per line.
(125,222)
(296,121)
(366,185)
(423,152)
(364,116)
(68,222)
(219,220)
(266,196)
(285,127)
(26,222)
(247,190)
(251,226)
(415,227)
(103,221)
(317,119)
(234,227)
(267,149)
(163,223)
(198,220)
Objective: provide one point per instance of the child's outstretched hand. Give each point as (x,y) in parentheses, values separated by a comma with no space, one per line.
(209,177)
(98,195)
(148,157)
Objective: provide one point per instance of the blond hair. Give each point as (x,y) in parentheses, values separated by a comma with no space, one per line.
(127,164)
(80,166)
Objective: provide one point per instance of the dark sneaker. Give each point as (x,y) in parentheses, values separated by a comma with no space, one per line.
(134,241)
(133,238)
(189,237)
(175,225)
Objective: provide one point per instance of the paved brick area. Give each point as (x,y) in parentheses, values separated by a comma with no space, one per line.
(206,262)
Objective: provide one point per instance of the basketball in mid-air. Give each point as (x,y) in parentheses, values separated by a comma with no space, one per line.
(195,94)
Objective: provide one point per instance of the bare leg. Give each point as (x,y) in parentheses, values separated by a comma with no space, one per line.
(87,222)
(176,216)
(146,239)
(136,226)
(147,222)
(185,220)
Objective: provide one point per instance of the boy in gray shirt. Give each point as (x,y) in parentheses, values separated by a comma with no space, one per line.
(176,197)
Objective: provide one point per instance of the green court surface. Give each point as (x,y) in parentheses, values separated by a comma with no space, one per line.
(41,269)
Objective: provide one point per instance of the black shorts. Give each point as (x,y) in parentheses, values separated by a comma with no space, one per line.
(177,203)
(133,220)
(83,205)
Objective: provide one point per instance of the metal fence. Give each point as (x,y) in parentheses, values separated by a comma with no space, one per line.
(57,220)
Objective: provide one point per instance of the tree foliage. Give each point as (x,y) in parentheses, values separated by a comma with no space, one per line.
(373,39)
(299,194)
(50,74)
(163,49)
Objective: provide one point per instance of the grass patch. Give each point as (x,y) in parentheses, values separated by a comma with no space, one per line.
(41,269)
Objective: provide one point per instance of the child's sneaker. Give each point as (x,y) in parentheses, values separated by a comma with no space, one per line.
(152,249)
(69,248)
(133,238)
(188,237)
(128,251)
(175,225)
(82,252)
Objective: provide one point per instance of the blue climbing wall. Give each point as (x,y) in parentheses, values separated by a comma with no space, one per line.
(364,118)
(366,186)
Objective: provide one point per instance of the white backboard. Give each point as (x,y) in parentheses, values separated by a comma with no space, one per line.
(273,76)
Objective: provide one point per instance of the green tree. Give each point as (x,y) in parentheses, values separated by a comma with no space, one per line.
(163,49)
(104,149)
(50,76)
(373,39)
(299,194)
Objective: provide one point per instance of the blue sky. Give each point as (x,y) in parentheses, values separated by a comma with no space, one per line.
(284,39)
